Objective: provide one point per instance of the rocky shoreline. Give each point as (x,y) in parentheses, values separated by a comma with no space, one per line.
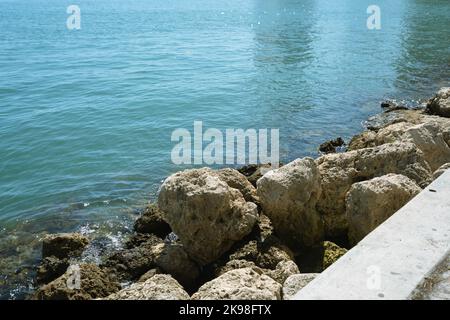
(238,234)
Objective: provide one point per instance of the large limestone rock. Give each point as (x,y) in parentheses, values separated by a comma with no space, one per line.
(288,196)
(205,212)
(431,138)
(63,245)
(295,283)
(369,203)
(80,282)
(340,171)
(240,284)
(440,104)
(157,287)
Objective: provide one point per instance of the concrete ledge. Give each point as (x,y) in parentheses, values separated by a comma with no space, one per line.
(391,261)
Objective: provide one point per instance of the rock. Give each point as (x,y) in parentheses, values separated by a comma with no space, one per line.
(50,269)
(63,245)
(441,170)
(288,196)
(370,203)
(332,252)
(320,257)
(233,265)
(266,254)
(240,284)
(158,287)
(440,104)
(173,259)
(295,283)
(340,170)
(389,106)
(237,180)
(284,270)
(150,273)
(207,215)
(151,221)
(254,171)
(430,138)
(93,283)
(131,263)
(331,145)
(366,139)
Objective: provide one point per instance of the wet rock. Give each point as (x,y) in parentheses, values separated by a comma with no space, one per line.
(207,215)
(339,171)
(288,196)
(240,284)
(92,283)
(441,170)
(440,104)
(158,287)
(237,180)
(50,269)
(63,245)
(131,263)
(331,145)
(254,171)
(295,283)
(390,105)
(151,221)
(370,203)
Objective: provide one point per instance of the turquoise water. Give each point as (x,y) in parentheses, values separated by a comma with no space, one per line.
(86,115)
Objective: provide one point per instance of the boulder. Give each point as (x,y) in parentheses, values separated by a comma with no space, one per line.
(440,104)
(158,287)
(340,171)
(151,221)
(233,265)
(131,263)
(205,212)
(295,283)
(63,245)
(79,282)
(237,180)
(331,145)
(288,196)
(370,203)
(51,268)
(240,284)
(150,273)
(441,170)
(173,259)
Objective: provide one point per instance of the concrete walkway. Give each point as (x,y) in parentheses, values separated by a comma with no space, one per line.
(394,260)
